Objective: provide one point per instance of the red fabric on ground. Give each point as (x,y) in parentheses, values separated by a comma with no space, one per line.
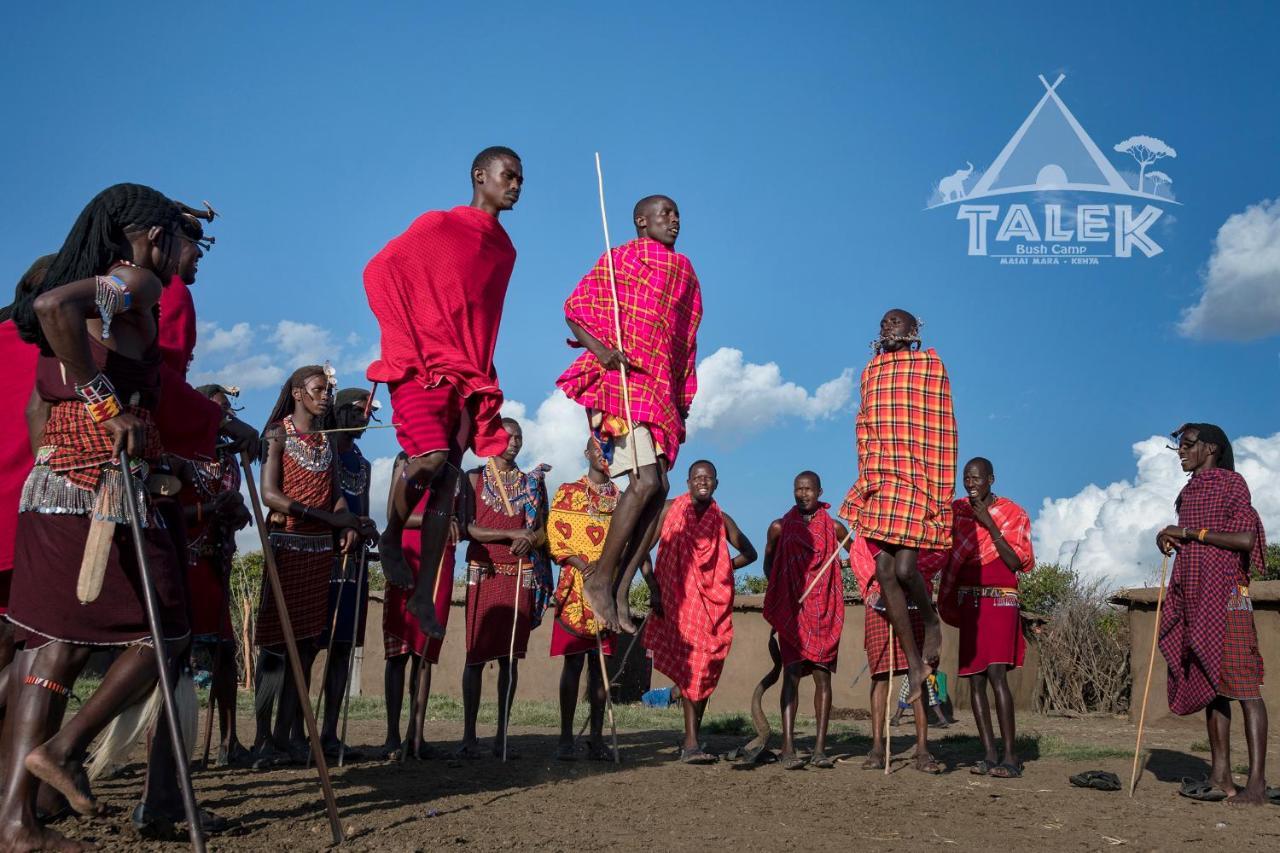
(690,642)
(660,307)
(19,360)
(808,630)
(438,291)
(1194,620)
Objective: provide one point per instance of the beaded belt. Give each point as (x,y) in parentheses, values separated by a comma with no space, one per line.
(477,572)
(1005,595)
(1240,599)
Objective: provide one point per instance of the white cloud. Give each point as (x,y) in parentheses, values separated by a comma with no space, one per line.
(1241,297)
(1108,532)
(255,357)
(213,338)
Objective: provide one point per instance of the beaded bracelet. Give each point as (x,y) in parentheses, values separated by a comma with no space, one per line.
(47,683)
(112,298)
(99,397)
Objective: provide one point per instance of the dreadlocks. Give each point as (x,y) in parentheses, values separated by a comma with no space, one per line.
(31,280)
(98,239)
(284,403)
(1211,434)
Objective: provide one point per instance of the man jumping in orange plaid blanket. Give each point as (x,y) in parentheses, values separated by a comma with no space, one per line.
(901,502)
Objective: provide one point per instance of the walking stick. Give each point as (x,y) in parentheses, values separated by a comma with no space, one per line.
(291,646)
(162,659)
(888,702)
(511,657)
(617,320)
(1151,661)
(328,654)
(351,656)
(622,668)
(822,571)
(608,698)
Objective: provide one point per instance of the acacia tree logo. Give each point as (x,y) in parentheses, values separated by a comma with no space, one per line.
(1052,159)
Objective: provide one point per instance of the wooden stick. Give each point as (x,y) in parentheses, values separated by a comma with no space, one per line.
(822,571)
(608,698)
(368,403)
(291,647)
(1151,660)
(208,731)
(511,655)
(328,654)
(348,429)
(888,702)
(617,323)
(416,740)
(247,643)
(351,655)
(152,606)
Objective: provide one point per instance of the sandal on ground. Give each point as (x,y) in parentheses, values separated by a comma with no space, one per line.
(1099,780)
(151,825)
(822,761)
(792,762)
(1273,796)
(927,764)
(1201,790)
(469,751)
(1006,770)
(697,756)
(566,752)
(235,757)
(599,752)
(982,768)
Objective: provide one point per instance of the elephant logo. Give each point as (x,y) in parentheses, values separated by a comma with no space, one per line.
(951,188)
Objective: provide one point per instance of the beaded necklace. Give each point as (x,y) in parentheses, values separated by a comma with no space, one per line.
(602,499)
(502,489)
(311,457)
(353,482)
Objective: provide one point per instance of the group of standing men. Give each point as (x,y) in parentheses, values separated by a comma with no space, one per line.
(100,336)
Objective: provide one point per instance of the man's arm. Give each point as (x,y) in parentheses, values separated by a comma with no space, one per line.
(609,358)
(1012,560)
(770,545)
(746,551)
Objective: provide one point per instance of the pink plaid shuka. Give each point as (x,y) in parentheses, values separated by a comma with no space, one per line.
(661,306)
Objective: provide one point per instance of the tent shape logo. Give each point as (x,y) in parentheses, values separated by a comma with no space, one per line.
(1051,154)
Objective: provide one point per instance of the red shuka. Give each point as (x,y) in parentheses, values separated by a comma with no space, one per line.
(808,630)
(437,291)
(19,359)
(188,420)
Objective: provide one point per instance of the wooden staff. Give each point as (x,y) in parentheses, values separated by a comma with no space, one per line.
(617,324)
(511,655)
(888,702)
(822,571)
(368,403)
(328,654)
(295,662)
(608,698)
(208,723)
(152,606)
(351,656)
(1151,661)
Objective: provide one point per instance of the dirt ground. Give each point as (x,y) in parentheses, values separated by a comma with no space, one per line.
(653,803)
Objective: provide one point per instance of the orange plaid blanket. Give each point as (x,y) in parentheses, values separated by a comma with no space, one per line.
(906,452)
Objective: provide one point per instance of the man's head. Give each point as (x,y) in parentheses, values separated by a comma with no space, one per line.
(496,178)
(191,236)
(349,404)
(658,218)
(979,477)
(1203,446)
(899,330)
(595,457)
(702,481)
(515,439)
(222,395)
(309,387)
(808,491)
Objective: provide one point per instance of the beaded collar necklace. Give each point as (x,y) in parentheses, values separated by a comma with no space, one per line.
(313,457)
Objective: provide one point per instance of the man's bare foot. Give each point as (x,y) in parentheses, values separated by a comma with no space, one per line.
(1250,795)
(597,590)
(425,612)
(926,763)
(63,779)
(931,651)
(875,761)
(623,605)
(394,568)
(1224,783)
(17,838)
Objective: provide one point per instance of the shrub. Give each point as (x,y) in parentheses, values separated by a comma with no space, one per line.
(1084,647)
(1272,569)
(1043,588)
(750,585)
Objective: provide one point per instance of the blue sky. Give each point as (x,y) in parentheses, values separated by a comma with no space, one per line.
(801,141)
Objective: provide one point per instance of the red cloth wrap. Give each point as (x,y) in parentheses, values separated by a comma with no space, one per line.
(491,597)
(438,291)
(19,360)
(660,302)
(430,419)
(188,420)
(401,632)
(809,630)
(1194,624)
(906,452)
(690,642)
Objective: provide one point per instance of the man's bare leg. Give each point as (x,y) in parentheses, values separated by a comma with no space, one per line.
(598,585)
(1254,792)
(924,762)
(998,673)
(508,678)
(407,489)
(879,687)
(393,691)
(420,692)
(760,742)
(906,567)
(435,469)
(693,712)
(981,706)
(788,703)
(634,556)
(821,711)
(1218,722)
(895,605)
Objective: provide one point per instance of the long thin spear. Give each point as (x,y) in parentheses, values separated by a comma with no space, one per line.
(888,702)
(351,656)
(323,697)
(608,697)
(617,322)
(152,607)
(295,662)
(1151,662)
(511,655)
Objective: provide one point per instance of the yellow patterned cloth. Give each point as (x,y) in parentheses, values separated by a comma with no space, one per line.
(577,527)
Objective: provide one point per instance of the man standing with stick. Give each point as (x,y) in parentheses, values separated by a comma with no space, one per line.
(1206,631)
(438,290)
(636,389)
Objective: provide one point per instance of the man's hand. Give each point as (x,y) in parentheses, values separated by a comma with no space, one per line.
(611,359)
(346,520)
(982,515)
(521,543)
(127,433)
(368,529)
(244,438)
(349,540)
(1169,540)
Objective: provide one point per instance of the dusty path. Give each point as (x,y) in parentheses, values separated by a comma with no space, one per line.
(539,803)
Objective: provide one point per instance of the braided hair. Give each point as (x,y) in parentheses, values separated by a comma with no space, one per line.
(31,279)
(1211,434)
(285,403)
(98,239)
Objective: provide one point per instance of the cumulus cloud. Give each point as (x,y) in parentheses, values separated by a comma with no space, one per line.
(1108,532)
(261,356)
(1241,296)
